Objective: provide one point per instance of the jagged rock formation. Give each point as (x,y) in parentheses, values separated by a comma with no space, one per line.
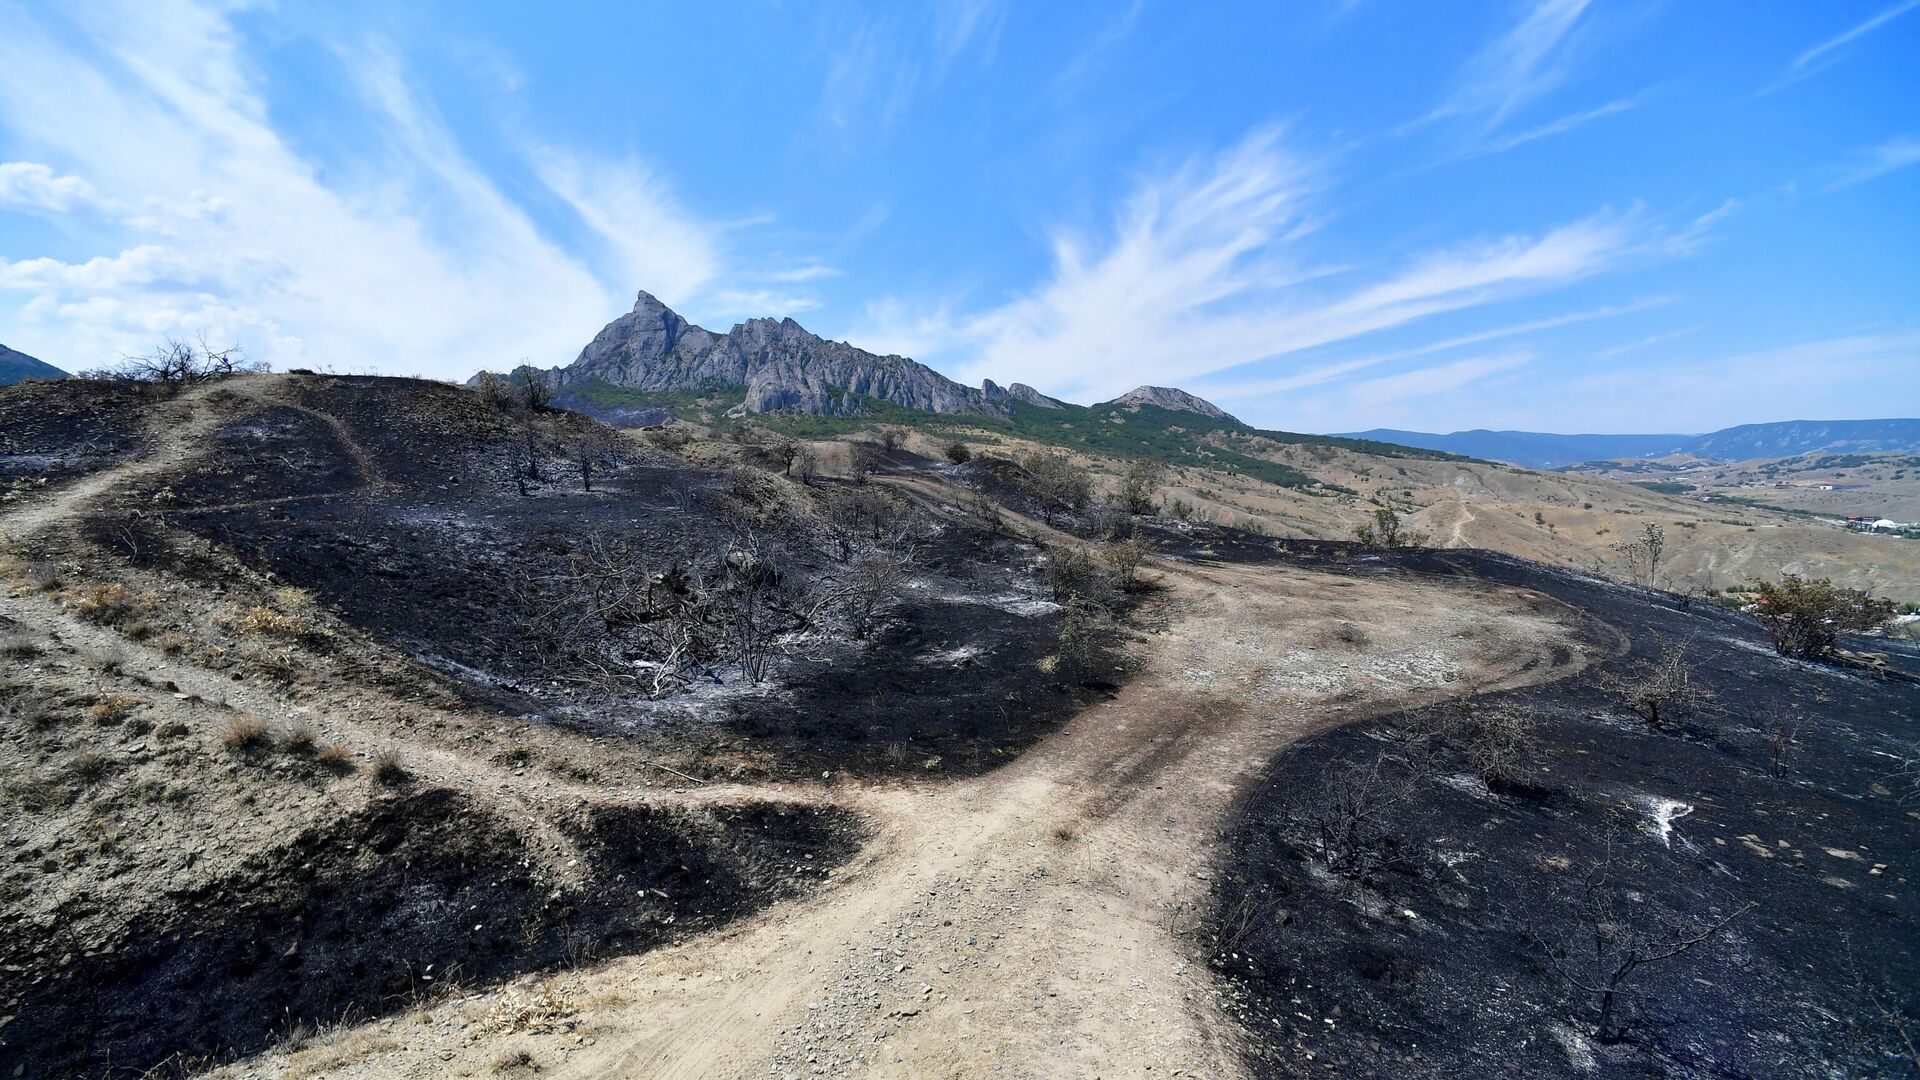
(778,363)
(1017,392)
(16,366)
(1166,397)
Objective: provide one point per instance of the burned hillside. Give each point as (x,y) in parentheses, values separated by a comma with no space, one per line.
(1454,890)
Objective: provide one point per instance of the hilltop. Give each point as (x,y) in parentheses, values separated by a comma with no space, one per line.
(16,366)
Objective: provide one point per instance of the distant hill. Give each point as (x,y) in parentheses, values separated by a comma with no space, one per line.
(1166,397)
(1543,450)
(16,366)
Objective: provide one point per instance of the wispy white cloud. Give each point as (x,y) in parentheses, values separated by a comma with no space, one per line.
(1200,276)
(32,186)
(416,260)
(1373,395)
(652,241)
(1821,55)
(880,64)
(1325,373)
(810,272)
(1877,161)
(1518,67)
(1645,342)
(1566,123)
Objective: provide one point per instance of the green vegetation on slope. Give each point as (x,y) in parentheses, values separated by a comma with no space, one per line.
(1148,431)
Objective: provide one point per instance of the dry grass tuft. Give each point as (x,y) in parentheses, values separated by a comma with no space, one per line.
(18,646)
(387,769)
(335,758)
(543,1008)
(270,622)
(246,735)
(300,740)
(91,766)
(113,708)
(110,604)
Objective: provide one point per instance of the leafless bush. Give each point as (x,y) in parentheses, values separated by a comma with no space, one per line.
(533,390)
(112,709)
(44,577)
(1783,734)
(176,364)
(1346,816)
(299,739)
(1661,692)
(870,586)
(91,766)
(1502,745)
(1613,929)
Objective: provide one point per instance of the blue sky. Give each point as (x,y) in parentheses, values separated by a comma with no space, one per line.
(1551,214)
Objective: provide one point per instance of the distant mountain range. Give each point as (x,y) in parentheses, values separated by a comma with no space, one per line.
(1788,438)
(16,366)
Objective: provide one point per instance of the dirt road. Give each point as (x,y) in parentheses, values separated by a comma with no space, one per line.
(1034,921)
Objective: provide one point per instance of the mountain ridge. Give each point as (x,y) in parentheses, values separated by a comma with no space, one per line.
(1744,442)
(778,365)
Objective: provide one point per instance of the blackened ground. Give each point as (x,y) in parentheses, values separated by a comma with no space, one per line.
(55,430)
(399,505)
(373,911)
(1433,963)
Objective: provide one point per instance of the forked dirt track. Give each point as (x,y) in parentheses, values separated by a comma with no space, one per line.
(1031,922)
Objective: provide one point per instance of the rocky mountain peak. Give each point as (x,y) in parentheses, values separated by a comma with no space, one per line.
(1174,399)
(776,363)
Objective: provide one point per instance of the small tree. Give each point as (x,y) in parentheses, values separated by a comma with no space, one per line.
(1081,627)
(1140,485)
(583,458)
(1386,530)
(494,390)
(1662,691)
(1806,617)
(958,452)
(805,466)
(535,394)
(785,451)
(1124,559)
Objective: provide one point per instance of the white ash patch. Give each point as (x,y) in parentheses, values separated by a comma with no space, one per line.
(1661,814)
(958,655)
(1579,1052)
(1466,783)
